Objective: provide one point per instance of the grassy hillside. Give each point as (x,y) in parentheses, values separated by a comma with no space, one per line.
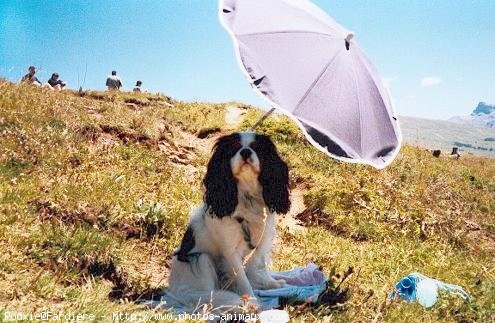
(95,190)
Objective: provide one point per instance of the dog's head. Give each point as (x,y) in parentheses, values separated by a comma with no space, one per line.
(244,158)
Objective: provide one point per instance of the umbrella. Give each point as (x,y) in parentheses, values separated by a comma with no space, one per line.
(311,69)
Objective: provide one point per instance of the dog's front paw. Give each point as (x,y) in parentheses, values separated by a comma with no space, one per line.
(251,303)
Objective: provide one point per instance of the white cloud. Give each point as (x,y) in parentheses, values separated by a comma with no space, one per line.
(430,80)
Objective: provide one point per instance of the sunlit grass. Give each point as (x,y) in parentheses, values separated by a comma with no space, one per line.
(90,180)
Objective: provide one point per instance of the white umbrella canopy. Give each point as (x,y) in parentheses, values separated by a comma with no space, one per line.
(309,67)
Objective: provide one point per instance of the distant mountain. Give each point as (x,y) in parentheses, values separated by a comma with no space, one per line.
(482,116)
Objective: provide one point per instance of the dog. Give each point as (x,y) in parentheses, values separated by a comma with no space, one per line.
(226,248)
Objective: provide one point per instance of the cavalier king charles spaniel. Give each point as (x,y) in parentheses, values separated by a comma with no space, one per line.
(226,248)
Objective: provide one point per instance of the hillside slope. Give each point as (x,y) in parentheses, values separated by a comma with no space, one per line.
(440,134)
(95,190)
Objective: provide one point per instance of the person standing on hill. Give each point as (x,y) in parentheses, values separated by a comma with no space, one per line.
(29,78)
(113,82)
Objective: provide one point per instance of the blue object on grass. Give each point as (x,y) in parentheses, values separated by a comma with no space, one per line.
(405,289)
(417,287)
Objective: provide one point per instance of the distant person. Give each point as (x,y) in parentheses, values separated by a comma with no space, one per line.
(113,82)
(455,153)
(56,83)
(29,78)
(137,88)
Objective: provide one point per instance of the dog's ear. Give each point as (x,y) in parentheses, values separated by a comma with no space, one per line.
(220,184)
(274,178)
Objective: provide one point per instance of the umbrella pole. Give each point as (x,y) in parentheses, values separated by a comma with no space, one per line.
(260,121)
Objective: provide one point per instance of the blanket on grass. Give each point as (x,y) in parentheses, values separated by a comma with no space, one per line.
(304,284)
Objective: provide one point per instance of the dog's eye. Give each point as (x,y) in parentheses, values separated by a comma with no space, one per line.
(253,145)
(237,145)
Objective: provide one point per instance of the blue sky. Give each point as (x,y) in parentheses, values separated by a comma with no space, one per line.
(437,57)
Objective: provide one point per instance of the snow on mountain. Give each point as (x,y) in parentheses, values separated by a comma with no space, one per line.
(482,116)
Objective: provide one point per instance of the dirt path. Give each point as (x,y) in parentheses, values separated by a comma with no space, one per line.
(297,206)
(204,146)
(233,116)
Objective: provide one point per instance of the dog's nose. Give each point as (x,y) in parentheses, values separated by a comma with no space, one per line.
(245,153)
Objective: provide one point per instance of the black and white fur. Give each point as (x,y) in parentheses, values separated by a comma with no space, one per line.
(226,248)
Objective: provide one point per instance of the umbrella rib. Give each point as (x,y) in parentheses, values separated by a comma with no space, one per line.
(371,73)
(286,32)
(315,81)
(359,109)
(380,96)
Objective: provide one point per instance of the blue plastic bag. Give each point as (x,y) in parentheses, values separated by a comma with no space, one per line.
(424,290)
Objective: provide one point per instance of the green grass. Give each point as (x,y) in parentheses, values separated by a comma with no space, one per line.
(92,199)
